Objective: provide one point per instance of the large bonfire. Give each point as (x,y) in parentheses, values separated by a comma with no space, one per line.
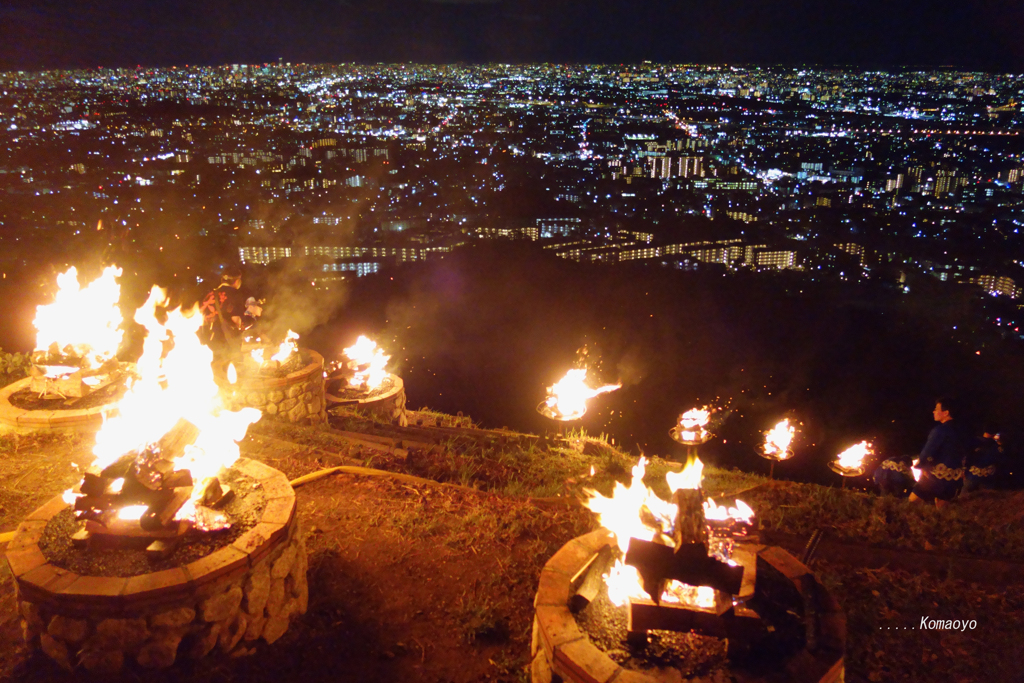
(175,391)
(636,512)
(82,325)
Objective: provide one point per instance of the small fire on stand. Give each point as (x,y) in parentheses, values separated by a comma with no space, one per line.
(78,336)
(155,475)
(850,463)
(692,427)
(778,441)
(688,538)
(567,398)
(368,363)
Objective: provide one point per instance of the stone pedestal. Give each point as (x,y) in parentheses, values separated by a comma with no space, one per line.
(296,398)
(21,421)
(560,650)
(241,593)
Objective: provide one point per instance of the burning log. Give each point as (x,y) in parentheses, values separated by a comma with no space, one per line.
(94,483)
(161,549)
(591,580)
(722,621)
(119,533)
(120,467)
(172,445)
(80,539)
(160,515)
(215,493)
(690,564)
(177,479)
(690,525)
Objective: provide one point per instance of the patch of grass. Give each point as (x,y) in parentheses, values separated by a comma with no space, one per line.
(885,641)
(986,525)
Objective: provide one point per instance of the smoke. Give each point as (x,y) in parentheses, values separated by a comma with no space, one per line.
(292,301)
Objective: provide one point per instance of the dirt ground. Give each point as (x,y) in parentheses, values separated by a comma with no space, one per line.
(407,582)
(435,583)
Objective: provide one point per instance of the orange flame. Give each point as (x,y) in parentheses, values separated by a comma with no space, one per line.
(621,514)
(692,424)
(287,348)
(173,386)
(85,318)
(778,440)
(369,361)
(853,457)
(567,398)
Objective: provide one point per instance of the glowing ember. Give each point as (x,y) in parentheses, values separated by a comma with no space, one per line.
(634,511)
(257,355)
(369,362)
(132,512)
(684,594)
(232,374)
(287,348)
(86,319)
(915,469)
(853,457)
(777,441)
(567,398)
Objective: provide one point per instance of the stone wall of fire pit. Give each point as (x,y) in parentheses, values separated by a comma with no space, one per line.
(560,651)
(244,592)
(386,402)
(14,419)
(296,398)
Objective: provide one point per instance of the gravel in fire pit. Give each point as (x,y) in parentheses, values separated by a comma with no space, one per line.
(248,370)
(244,511)
(26,399)
(669,655)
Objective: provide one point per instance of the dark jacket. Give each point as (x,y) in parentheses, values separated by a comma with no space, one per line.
(945,449)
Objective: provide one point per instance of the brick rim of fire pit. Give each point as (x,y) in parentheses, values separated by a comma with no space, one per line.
(559,646)
(23,421)
(38,581)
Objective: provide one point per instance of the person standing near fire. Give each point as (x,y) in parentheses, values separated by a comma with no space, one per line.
(984,462)
(942,459)
(226,314)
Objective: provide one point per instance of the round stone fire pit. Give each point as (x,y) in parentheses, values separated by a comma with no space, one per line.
(562,651)
(244,591)
(386,402)
(296,398)
(23,421)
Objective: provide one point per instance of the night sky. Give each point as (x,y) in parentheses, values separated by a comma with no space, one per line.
(986,35)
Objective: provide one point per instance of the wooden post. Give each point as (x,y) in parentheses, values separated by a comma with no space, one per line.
(690,526)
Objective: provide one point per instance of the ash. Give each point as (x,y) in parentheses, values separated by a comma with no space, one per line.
(26,399)
(669,656)
(244,511)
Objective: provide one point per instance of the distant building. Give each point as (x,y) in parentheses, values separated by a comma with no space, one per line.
(781,260)
(552,227)
(997,285)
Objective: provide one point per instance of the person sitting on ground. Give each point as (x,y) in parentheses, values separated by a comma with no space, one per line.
(942,459)
(893,475)
(981,470)
(223,309)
